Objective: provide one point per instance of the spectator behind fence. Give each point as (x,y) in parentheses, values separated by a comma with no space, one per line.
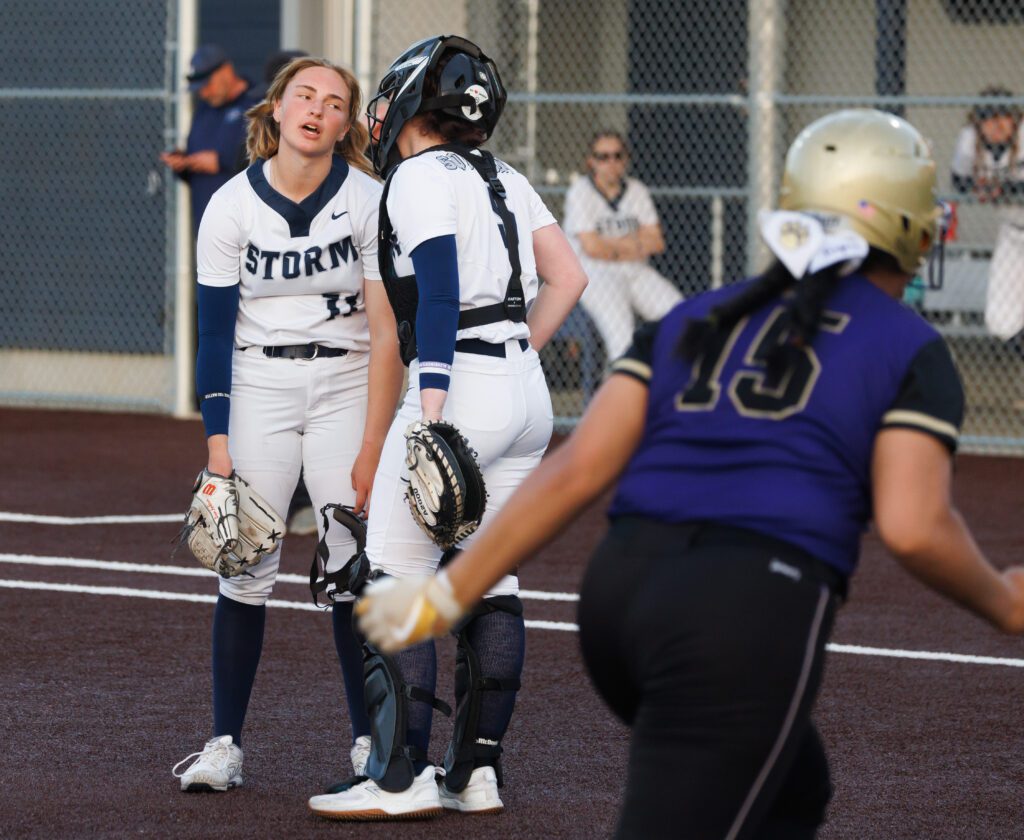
(989,164)
(210,157)
(611,221)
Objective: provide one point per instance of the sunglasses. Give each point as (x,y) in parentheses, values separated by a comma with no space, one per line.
(603,156)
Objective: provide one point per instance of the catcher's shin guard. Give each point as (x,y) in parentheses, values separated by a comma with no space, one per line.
(466,748)
(390,763)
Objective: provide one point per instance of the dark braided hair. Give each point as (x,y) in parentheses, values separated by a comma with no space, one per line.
(803,318)
(803,312)
(701,334)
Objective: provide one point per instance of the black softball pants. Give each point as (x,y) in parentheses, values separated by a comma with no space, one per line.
(709,642)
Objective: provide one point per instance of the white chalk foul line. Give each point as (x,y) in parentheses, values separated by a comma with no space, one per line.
(156,595)
(7,516)
(127,592)
(140,519)
(926,654)
(192,571)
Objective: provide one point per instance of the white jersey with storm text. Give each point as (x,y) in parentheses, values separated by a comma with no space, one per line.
(588,211)
(300,266)
(438,194)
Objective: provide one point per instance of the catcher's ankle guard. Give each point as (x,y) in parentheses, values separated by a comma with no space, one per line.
(351,577)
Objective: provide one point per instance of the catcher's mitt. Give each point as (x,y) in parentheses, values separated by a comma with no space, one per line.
(446,491)
(229,526)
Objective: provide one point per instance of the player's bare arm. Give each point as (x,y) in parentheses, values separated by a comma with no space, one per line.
(385,383)
(913,509)
(218,459)
(564,282)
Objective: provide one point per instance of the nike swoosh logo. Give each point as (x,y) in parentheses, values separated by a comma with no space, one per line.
(342,213)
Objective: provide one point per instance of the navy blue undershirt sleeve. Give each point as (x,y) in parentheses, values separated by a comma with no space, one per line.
(218,309)
(437,317)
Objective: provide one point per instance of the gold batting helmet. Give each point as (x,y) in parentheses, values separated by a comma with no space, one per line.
(869,172)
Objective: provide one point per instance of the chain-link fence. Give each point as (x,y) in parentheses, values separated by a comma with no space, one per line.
(84,204)
(705,95)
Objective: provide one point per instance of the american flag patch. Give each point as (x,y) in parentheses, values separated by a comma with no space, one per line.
(867,210)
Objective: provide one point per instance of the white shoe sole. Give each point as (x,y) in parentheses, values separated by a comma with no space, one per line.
(379,814)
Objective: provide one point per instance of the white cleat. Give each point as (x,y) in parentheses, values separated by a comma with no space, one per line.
(366,801)
(480,796)
(217,767)
(360,755)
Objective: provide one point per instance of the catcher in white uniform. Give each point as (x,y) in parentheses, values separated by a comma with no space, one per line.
(290,304)
(612,222)
(476,235)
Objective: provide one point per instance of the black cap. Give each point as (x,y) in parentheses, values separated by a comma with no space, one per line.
(207,59)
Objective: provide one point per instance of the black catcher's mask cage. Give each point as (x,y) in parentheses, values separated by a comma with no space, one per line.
(469,89)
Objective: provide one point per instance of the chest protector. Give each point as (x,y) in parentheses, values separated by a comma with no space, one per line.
(402,292)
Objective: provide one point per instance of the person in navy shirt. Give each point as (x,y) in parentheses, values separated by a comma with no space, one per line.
(754,432)
(210,158)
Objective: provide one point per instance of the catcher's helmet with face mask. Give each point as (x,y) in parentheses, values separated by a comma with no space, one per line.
(869,172)
(469,89)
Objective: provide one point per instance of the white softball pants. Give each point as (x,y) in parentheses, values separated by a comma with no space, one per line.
(503,408)
(288,415)
(616,291)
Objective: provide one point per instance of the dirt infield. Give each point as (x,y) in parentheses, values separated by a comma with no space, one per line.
(104,677)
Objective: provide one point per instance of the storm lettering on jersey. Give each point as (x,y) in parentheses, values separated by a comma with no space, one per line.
(618,227)
(298,263)
(340,251)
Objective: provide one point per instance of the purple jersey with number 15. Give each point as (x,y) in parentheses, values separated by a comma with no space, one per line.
(789,459)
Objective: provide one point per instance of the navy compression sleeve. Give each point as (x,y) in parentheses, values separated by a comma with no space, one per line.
(218,309)
(437,318)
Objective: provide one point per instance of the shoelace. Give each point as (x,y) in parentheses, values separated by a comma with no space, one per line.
(211,750)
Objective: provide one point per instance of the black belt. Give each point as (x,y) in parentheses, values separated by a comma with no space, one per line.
(486,348)
(303,351)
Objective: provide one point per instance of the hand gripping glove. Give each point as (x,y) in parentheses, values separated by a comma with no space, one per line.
(446,492)
(395,613)
(229,526)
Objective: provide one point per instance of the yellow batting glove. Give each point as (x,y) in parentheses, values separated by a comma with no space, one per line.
(395,613)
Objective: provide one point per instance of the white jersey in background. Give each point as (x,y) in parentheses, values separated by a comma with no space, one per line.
(618,288)
(300,266)
(973,158)
(443,178)
(587,210)
(1004,296)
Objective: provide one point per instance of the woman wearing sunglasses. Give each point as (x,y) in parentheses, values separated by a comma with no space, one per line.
(611,221)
